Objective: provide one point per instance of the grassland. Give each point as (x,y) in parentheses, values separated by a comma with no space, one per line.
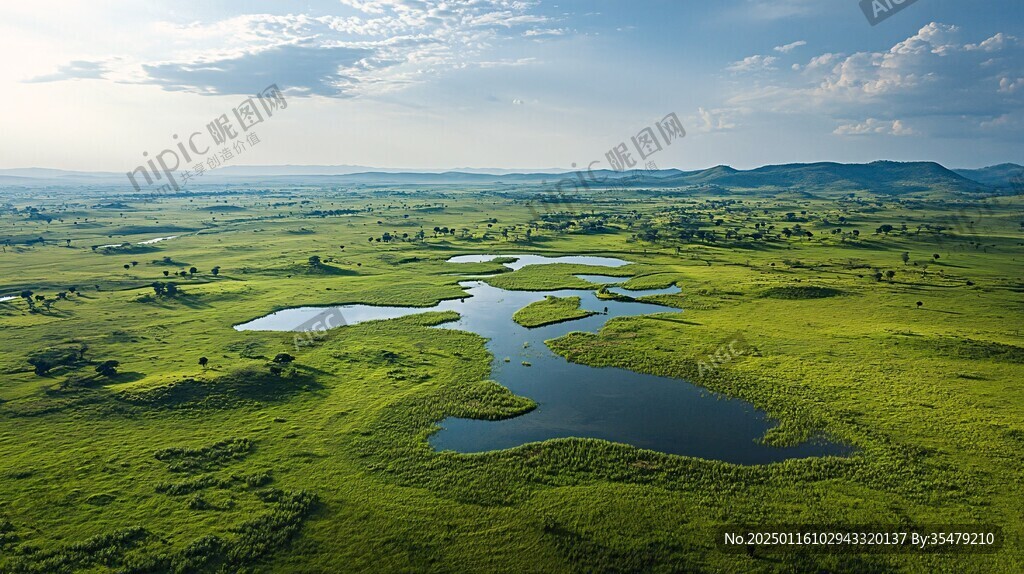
(252,462)
(551,310)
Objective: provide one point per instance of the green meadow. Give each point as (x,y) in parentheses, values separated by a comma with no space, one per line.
(140,432)
(550,311)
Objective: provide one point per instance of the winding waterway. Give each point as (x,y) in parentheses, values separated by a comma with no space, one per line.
(658,413)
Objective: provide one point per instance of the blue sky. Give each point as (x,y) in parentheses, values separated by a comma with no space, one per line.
(515,83)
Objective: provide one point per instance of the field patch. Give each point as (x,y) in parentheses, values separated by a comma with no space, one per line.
(551,310)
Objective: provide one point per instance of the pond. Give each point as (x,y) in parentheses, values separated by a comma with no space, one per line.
(522,260)
(157,240)
(658,413)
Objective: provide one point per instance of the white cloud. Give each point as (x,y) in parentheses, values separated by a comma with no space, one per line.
(873,126)
(546,32)
(387,45)
(77,70)
(753,64)
(1008,86)
(787,48)
(945,85)
(715,120)
(994,44)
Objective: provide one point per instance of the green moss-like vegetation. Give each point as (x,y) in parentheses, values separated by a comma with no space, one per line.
(551,310)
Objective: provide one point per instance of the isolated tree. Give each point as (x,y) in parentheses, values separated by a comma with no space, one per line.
(884,229)
(215,271)
(159,288)
(890,274)
(134,263)
(878,276)
(127,267)
(314,261)
(108,368)
(920,304)
(73,288)
(905,257)
(166,273)
(203,361)
(935,256)
(171,289)
(283,358)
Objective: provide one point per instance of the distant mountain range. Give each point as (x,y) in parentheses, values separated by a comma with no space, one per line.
(881,177)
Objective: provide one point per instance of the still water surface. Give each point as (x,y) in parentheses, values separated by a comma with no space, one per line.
(647,411)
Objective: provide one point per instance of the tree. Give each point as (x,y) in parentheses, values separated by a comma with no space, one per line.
(108,368)
(159,288)
(127,267)
(935,256)
(905,257)
(171,289)
(314,261)
(884,229)
(215,271)
(878,276)
(203,361)
(283,358)
(920,304)
(166,273)
(134,263)
(890,274)
(192,271)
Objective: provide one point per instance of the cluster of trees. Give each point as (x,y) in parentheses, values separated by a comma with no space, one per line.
(165,289)
(190,273)
(330,212)
(33,299)
(48,359)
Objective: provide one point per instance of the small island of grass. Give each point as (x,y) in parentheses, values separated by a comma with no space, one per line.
(551,310)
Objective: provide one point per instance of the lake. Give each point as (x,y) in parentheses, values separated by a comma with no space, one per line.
(658,413)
